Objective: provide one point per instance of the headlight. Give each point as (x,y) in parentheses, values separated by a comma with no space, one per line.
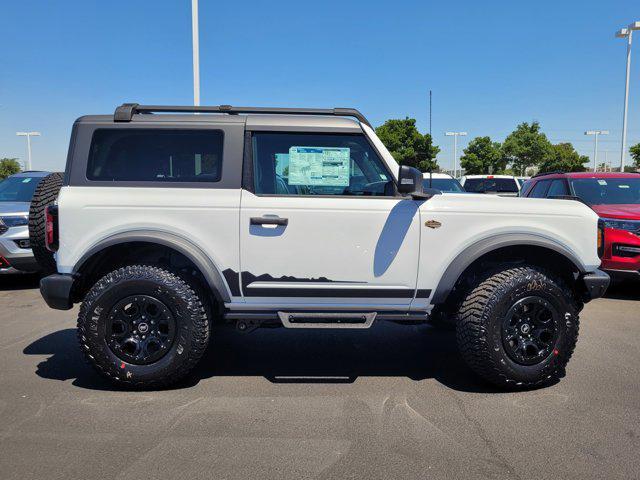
(601,242)
(628,225)
(14,221)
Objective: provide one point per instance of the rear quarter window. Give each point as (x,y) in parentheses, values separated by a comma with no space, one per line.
(162,155)
(539,190)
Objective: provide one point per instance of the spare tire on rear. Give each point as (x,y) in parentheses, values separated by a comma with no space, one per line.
(46,194)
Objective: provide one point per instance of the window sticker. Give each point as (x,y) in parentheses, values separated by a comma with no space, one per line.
(602,182)
(319,166)
(26,180)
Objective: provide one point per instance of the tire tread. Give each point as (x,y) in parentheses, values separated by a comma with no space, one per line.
(45,195)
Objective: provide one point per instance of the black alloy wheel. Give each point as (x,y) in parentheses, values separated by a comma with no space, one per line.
(140,329)
(530,330)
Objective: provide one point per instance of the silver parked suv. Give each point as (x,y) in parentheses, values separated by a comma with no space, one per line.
(16,192)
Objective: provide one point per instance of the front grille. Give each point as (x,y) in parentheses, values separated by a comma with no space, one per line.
(628,251)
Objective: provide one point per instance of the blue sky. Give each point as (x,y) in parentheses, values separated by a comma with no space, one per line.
(490,64)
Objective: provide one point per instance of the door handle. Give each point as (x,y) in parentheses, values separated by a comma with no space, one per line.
(269,221)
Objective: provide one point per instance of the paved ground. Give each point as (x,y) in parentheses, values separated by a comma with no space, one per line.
(403,406)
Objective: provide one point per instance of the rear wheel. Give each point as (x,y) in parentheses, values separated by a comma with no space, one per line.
(518,328)
(46,194)
(143,327)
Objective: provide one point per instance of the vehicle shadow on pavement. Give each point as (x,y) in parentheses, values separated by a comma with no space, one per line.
(624,291)
(66,361)
(293,356)
(19,281)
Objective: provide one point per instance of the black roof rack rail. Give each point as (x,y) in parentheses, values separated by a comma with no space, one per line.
(555,172)
(125,112)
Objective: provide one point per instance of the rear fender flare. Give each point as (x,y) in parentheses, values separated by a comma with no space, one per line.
(209,269)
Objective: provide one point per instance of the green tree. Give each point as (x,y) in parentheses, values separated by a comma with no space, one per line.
(563,157)
(407,145)
(8,166)
(526,147)
(635,155)
(483,156)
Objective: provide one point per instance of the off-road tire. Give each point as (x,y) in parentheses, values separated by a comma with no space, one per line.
(46,194)
(187,306)
(480,322)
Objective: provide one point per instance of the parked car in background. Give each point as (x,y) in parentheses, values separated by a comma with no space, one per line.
(16,192)
(443,182)
(503,185)
(615,197)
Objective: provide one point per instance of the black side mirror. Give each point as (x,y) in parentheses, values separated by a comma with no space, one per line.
(410,182)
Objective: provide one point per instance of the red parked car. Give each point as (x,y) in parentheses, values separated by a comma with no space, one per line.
(615,197)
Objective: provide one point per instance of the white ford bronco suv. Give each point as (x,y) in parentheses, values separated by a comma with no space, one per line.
(170,219)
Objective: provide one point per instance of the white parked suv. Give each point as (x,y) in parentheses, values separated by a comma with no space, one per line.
(442,181)
(503,185)
(166,224)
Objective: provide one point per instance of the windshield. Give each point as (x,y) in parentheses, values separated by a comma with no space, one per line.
(443,184)
(607,191)
(18,189)
(481,185)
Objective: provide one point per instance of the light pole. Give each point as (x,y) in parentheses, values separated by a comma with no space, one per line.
(196,52)
(455,136)
(595,146)
(28,135)
(628,34)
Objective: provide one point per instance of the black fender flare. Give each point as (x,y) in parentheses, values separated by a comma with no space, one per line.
(207,267)
(487,245)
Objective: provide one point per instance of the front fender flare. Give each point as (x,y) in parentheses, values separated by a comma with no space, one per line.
(487,245)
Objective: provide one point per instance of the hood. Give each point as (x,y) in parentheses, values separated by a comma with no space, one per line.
(625,212)
(14,208)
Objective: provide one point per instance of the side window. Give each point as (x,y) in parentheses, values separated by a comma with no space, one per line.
(539,190)
(524,189)
(317,164)
(155,155)
(558,188)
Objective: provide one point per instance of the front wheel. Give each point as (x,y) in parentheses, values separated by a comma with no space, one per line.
(143,327)
(518,328)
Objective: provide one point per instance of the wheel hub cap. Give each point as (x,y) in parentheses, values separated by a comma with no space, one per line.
(140,329)
(530,330)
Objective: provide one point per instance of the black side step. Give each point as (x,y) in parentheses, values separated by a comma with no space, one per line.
(327,320)
(248,321)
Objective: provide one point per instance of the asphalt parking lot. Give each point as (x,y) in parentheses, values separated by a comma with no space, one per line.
(390,402)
